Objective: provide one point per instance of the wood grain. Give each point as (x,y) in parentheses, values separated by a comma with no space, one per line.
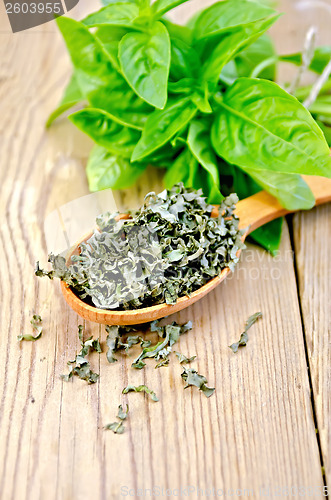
(312,236)
(257,431)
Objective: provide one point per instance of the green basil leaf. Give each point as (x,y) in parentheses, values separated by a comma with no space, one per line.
(269,235)
(290,190)
(162,125)
(100,126)
(321,58)
(145,63)
(182,86)
(258,52)
(326,131)
(200,97)
(178,31)
(231,43)
(72,96)
(160,7)
(107,2)
(262,127)
(229,73)
(228,15)
(105,170)
(187,169)
(120,14)
(110,37)
(199,143)
(183,169)
(185,61)
(97,79)
(322,106)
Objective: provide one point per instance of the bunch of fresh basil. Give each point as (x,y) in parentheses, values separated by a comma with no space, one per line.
(183,98)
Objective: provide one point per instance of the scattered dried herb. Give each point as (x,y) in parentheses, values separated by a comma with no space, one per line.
(114,342)
(80,366)
(170,333)
(192,377)
(36,322)
(244,337)
(169,248)
(184,359)
(118,427)
(163,362)
(140,388)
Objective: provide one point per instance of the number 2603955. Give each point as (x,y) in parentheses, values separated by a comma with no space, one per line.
(34,8)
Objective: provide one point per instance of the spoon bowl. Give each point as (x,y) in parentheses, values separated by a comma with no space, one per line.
(253,212)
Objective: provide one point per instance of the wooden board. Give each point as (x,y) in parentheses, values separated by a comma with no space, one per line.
(312,235)
(257,431)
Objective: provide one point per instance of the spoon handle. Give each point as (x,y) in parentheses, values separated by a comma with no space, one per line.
(262,207)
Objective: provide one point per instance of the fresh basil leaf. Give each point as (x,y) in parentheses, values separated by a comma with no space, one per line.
(107,2)
(199,143)
(97,79)
(140,388)
(145,63)
(229,73)
(200,97)
(100,126)
(182,86)
(321,106)
(121,14)
(216,56)
(255,54)
(179,170)
(262,127)
(187,169)
(160,7)
(185,61)
(178,31)
(162,125)
(269,235)
(110,37)
(228,15)
(290,190)
(71,97)
(326,131)
(322,56)
(105,170)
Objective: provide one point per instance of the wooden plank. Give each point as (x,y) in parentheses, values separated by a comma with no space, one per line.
(312,236)
(257,431)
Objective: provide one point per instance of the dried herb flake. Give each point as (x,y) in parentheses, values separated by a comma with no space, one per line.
(36,323)
(244,337)
(140,388)
(184,359)
(192,377)
(80,366)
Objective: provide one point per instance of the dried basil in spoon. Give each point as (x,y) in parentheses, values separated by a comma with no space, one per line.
(169,248)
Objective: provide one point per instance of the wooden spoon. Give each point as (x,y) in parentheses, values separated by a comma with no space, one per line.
(253,212)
